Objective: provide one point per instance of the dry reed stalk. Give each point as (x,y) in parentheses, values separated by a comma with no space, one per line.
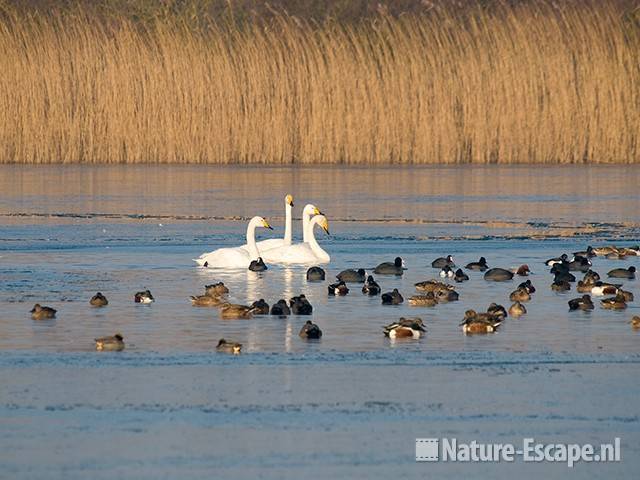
(522,84)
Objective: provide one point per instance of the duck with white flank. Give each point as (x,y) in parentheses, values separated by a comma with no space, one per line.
(405,328)
(371,287)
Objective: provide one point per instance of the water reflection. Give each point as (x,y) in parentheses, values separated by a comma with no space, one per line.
(514,193)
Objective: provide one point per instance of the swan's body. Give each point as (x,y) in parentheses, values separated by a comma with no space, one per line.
(237,257)
(302,253)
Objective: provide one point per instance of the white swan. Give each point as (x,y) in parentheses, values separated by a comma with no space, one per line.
(302,253)
(278,242)
(237,257)
(308,210)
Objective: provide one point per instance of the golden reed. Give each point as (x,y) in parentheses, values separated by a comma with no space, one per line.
(530,83)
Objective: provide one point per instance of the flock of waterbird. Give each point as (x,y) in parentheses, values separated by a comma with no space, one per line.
(253,254)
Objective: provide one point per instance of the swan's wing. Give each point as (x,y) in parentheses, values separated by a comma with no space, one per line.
(298,253)
(264,245)
(270,244)
(225,258)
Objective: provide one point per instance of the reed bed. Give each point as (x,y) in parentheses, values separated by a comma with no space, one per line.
(523,83)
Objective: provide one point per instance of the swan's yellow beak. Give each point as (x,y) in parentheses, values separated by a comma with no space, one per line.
(325,226)
(265,224)
(289,200)
(316,211)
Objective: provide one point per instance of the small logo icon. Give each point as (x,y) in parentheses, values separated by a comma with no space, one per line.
(427,449)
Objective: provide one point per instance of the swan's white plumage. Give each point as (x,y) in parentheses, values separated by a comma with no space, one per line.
(235,257)
(301,253)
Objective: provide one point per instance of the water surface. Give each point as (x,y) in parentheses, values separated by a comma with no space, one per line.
(349,405)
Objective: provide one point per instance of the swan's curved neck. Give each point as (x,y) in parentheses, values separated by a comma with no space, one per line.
(306,226)
(287,224)
(251,240)
(313,243)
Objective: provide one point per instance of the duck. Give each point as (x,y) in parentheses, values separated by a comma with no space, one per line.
(98,300)
(426,300)
(635,322)
(584,287)
(614,303)
(339,288)
(300,305)
(579,264)
(391,268)
(216,289)
(302,253)
(479,266)
(39,312)
(522,271)
(498,275)
(143,297)
(520,295)
(628,273)
(388,268)
(560,286)
(564,277)
(497,311)
(432,286)
(631,251)
(405,328)
(528,286)
(392,298)
(615,256)
(371,287)
(581,303)
(352,276)
(445,296)
(315,274)
(564,258)
(604,251)
(310,331)
(257,265)
(225,346)
(517,309)
(591,277)
(588,253)
(628,296)
(206,301)
(113,343)
(260,307)
(447,272)
(236,257)
(443,262)
(561,272)
(232,310)
(460,276)
(280,308)
(602,288)
(479,323)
